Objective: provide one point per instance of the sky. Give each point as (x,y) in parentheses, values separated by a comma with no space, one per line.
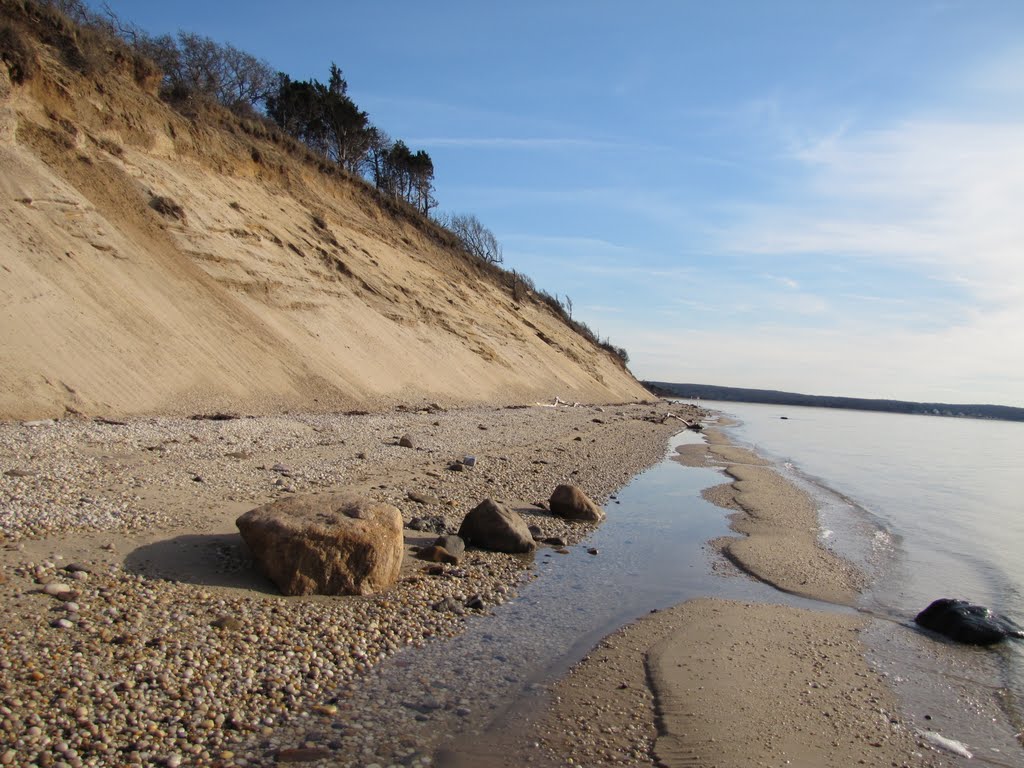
(821,197)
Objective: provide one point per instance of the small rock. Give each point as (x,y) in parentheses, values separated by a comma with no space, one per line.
(21,473)
(57,589)
(457,466)
(423,498)
(593,551)
(227,622)
(427,524)
(476,603)
(554,541)
(562,551)
(454,544)
(436,554)
(405,441)
(76,568)
(469,461)
(62,623)
(449,605)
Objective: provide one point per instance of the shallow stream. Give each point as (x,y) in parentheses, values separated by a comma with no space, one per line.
(651,554)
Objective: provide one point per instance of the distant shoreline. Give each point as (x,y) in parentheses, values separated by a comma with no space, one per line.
(775,397)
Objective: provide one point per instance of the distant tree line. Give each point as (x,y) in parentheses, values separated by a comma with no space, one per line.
(775,397)
(321,116)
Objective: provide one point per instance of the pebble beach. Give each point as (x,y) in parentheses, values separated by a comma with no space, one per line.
(139,632)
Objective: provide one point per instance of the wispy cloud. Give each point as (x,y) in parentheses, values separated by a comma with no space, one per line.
(520,143)
(927,193)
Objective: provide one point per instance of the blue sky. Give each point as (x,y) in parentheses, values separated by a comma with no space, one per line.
(825,197)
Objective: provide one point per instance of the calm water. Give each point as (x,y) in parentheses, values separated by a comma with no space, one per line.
(931,506)
(924,504)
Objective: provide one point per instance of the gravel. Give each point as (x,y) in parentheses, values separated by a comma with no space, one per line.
(110,656)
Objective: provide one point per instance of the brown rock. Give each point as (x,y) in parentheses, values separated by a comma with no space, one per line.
(437,554)
(423,498)
(572,503)
(406,441)
(496,527)
(454,544)
(328,544)
(227,622)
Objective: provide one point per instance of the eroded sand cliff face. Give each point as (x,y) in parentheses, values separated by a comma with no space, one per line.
(261,283)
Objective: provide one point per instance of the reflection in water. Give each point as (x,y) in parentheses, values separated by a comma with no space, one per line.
(652,554)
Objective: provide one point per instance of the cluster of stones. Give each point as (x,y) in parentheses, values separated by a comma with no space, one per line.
(101,666)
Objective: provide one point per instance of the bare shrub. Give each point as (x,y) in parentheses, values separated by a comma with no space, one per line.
(165,206)
(17,54)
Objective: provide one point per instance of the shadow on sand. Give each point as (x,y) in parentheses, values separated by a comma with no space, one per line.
(212,560)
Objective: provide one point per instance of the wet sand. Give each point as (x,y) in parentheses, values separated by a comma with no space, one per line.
(726,683)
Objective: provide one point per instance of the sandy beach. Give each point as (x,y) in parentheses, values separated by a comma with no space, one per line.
(180,653)
(715,682)
(176,651)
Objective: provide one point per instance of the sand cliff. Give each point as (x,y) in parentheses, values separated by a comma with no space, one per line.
(158,263)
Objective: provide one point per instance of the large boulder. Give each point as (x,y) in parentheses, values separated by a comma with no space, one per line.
(570,502)
(326,544)
(494,526)
(966,623)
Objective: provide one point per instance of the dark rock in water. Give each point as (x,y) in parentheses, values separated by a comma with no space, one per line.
(966,623)
(536,532)
(554,541)
(495,527)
